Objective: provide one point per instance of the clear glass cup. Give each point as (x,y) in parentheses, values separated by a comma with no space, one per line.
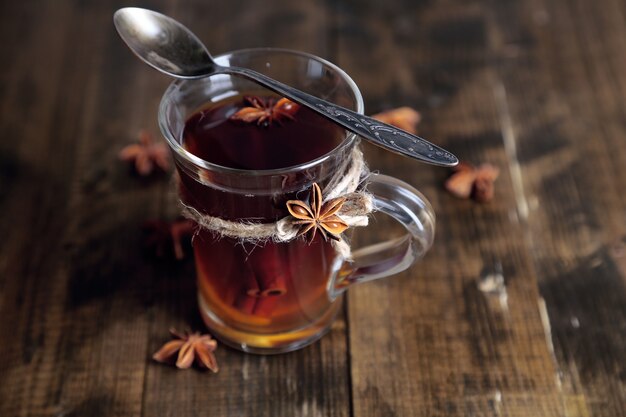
(276,297)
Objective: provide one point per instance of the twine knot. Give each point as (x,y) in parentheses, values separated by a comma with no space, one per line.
(353,211)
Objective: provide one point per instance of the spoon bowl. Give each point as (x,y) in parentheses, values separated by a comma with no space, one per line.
(163,43)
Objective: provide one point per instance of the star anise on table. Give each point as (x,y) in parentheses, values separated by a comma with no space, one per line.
(265,111)
(163,235)
(403,117)
(317,215)
(475,182)
(187,347)
(146,154)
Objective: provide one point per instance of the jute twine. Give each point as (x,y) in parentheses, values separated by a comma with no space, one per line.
(344,183)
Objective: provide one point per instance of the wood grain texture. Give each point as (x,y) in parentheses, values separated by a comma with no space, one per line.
(67,288)
(443,346)
(518,310)
(565,79)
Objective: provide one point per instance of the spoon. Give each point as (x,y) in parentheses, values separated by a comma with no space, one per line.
(171,48)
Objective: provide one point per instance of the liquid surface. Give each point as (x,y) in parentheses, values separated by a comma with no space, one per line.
(213,135)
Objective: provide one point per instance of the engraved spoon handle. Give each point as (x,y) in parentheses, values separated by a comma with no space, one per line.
(379,133)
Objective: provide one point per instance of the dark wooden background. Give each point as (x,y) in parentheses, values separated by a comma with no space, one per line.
(536,87)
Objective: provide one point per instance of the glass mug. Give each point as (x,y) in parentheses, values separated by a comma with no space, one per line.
(272,297)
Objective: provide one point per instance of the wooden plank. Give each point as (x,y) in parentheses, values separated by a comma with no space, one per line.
(73,305)
(310,382)
(27,278)
(454,335)
(565,82)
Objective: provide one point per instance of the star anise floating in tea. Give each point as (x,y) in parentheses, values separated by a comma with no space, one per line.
(187,348)
(265,110)
(146,155)
(164,236)
(317,215)
(475,182)
(404,118)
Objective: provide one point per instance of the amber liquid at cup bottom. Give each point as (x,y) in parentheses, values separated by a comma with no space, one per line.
(266,297)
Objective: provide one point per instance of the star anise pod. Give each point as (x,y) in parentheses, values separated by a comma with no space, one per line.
(317,215)
(189,346)
(403,117)
(264,111)
(163,234)
(468,181)
(146,155)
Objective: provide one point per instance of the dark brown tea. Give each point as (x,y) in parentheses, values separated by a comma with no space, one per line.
(286,140)
(270,294)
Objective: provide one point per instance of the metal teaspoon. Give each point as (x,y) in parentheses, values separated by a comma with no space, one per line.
(171,48)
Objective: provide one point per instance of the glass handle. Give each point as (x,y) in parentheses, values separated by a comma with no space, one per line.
(411,209)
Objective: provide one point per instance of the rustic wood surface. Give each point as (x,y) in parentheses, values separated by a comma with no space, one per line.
(518,310)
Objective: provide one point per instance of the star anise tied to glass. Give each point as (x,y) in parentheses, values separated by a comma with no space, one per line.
(265,111)
(317,215)
(186,347)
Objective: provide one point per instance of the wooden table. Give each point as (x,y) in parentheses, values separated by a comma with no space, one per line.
(535,87)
